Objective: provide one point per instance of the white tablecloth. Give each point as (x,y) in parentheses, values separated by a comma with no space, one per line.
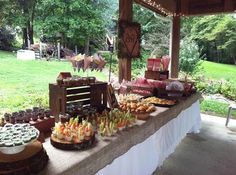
(145,157)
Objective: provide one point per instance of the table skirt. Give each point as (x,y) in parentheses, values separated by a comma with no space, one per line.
(144,158)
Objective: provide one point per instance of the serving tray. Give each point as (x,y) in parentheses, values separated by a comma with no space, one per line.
(87,143)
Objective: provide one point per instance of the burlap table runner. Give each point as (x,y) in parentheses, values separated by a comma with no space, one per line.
(90,161)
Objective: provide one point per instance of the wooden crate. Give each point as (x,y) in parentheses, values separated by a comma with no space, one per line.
(156,75)
(141,90)
(94,95)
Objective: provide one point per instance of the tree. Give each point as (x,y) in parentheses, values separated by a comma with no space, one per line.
(155,29)
(190,58)
(216,35)
(20,13)
(72,21)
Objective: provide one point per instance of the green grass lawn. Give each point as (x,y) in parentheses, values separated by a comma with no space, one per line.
(24,84)
(219,71)
(217,108)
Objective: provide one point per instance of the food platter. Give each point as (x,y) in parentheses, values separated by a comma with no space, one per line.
(161,102)
(137,107)
(109,123)
(73,135)
(14,138)
(65,145)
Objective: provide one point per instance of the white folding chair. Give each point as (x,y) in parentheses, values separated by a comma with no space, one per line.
(230,109)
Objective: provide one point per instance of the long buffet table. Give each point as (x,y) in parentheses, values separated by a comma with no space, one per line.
(137,150)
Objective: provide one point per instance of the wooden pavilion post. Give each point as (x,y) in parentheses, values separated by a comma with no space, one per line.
(126,14)
(175,46)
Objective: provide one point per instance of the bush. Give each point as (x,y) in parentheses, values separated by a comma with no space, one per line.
(223,87)
(7,39)
(190,59)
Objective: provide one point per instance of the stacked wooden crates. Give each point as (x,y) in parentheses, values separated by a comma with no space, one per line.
(94,94)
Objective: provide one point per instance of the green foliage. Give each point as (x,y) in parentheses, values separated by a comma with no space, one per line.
(72,22)
(216,78)
(219,71)
(20,14)
(139,65)
(155,29)
(216,34)
(190,59)
(225,87)
(214,107)
(6,38)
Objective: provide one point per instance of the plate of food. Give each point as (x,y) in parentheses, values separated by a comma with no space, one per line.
(14,137)
(159,101)
(140,109)
(137,107)
(109,123)
(73,135)
(129,97)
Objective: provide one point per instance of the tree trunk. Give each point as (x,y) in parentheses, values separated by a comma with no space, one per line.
(31,33)
(31,23)
(86,48)
(24,37)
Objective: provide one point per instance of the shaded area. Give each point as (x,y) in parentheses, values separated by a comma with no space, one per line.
(211,152)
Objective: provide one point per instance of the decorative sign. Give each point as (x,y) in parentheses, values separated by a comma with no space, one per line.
(129,39)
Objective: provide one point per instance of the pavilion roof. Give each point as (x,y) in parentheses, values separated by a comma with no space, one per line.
(189,7)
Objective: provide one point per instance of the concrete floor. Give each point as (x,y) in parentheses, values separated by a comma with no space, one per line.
(211,152)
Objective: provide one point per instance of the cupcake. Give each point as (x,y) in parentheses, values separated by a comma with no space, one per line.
(17,125)
(25,125)
(26,139)
(8,144)
(2,144)
(18,142)
(8,125)
(33,136)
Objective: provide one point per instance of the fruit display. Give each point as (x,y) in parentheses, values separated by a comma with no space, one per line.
(159,101)
(109,123)
(137,107)
(73,131)
(13,138)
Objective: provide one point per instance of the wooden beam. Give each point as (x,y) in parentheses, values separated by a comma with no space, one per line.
(229,5)
(175,46)
(168,5)
(142,3)
(126,14)
(207,7)
(184,7)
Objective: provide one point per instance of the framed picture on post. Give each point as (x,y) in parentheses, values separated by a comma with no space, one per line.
(129,39)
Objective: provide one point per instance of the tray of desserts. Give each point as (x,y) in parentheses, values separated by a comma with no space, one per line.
(14,137)
(109,123)
(73,135)
(140,109)
(159,101)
